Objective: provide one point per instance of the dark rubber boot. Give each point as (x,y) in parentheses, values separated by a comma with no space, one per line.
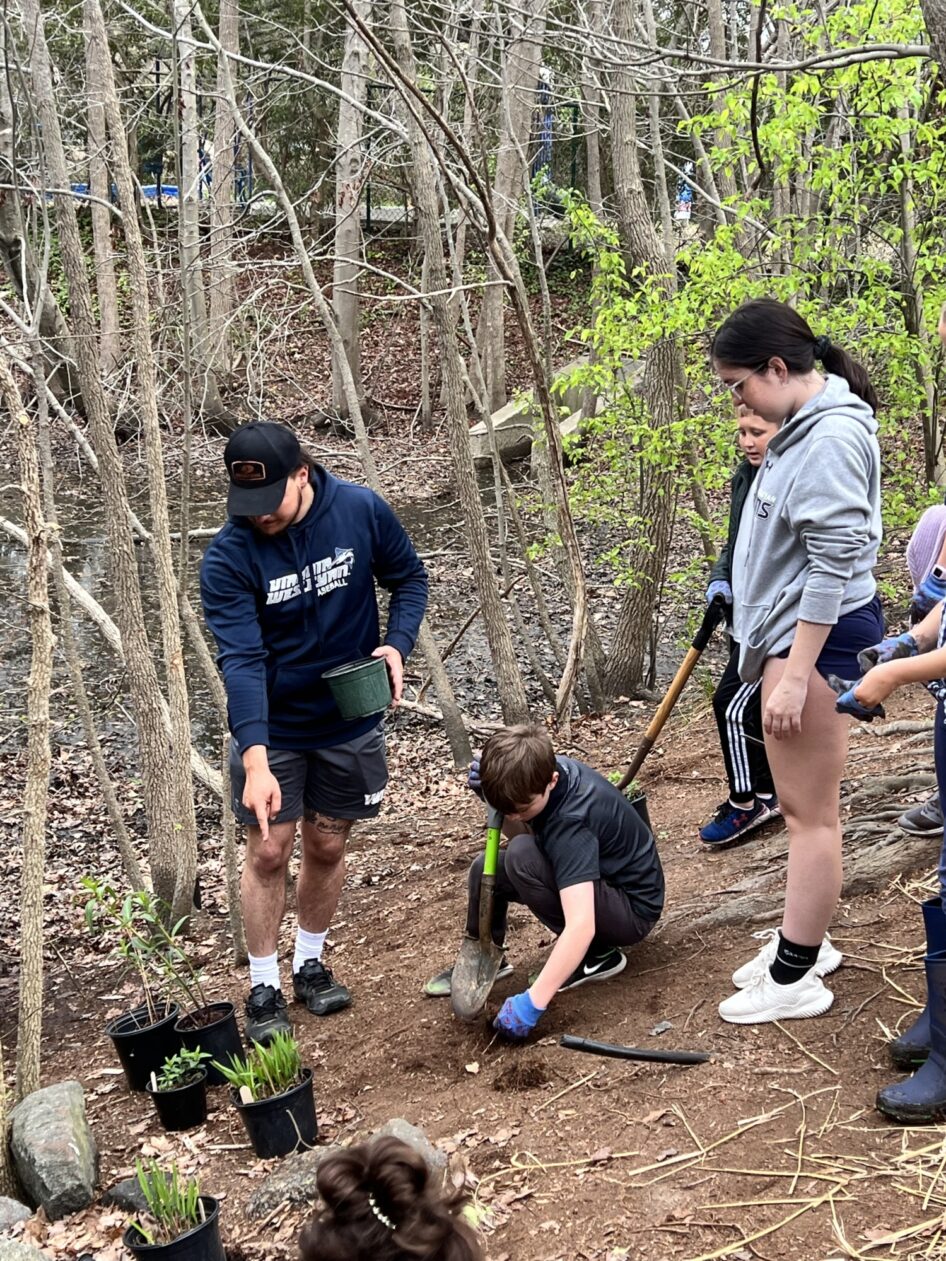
(921,1099)
(912,1047)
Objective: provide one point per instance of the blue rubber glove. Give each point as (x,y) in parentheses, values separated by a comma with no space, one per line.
(926,597)
(887,650)
(473,778)
(719,587)
(847,702)
(518,1016)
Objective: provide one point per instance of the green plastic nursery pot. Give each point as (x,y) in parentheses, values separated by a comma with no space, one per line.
(200,1244)
(360,688)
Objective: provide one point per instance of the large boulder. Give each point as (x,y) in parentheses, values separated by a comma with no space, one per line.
(53,1149)
(291,1182)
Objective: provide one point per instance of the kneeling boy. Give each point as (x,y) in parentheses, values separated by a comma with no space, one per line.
(580,858)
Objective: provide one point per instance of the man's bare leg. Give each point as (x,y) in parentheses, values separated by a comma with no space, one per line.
(321,876)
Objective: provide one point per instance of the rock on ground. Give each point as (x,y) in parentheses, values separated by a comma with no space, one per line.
(126,1195)
(11,1251)
(53,1149)
(12,1211)
(292,1182)
(415,1138)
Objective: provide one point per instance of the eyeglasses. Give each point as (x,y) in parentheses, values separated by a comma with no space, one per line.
(736,387)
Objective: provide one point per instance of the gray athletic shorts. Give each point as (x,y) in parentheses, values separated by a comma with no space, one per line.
(346,781)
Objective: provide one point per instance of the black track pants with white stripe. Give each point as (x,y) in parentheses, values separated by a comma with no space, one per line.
(738,710)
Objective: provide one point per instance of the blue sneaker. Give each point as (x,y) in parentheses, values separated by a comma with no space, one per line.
(730,822)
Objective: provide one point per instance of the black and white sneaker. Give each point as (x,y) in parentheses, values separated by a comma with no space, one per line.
(441,985)
(596,967)
(315,986)
(924,820)
(266,1015)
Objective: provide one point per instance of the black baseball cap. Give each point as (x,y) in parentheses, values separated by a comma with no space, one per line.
(259,458)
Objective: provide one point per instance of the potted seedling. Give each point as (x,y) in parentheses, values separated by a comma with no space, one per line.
(179,1091)
(204,1025)
(180,1225)
(274,1096)
(143,1037)
(638,799)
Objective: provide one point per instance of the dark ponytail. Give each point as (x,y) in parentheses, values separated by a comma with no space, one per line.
(764,329)
(381,1204)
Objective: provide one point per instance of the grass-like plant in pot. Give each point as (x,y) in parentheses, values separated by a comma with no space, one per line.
(180,1224)
(179,1090)
(274,1096)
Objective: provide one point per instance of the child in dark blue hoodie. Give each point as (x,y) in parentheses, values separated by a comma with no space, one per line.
(288,589)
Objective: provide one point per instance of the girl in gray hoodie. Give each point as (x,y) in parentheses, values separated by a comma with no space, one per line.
(806,605)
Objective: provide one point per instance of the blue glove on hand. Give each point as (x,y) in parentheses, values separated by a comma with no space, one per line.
(847,702)
(719,587)
(887,650)
(927,595)
(473,778)
(518,1016)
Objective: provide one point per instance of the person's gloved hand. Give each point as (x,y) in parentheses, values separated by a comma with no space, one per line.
(473,778)
(887,650)
(719,587)
(518,1016)
(847,702)
(927,595)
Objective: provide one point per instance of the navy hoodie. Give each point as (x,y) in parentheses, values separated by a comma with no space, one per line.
(286,608)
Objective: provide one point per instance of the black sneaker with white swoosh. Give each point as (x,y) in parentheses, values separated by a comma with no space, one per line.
(596,967)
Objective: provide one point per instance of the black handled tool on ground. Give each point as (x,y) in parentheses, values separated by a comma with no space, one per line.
(711,619)
(633,1052)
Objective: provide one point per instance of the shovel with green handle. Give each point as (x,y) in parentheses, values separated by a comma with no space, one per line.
(479,959)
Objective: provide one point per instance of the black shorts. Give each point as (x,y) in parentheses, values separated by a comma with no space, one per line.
(851,634)
(346,781)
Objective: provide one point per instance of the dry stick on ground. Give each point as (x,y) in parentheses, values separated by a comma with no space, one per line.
(453,723)
(39,755)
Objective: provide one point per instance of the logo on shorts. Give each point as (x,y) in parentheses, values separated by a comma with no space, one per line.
(374,799)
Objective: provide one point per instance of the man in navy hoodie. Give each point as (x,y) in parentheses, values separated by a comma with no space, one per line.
(288,589)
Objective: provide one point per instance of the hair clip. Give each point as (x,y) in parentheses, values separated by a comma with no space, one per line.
(385,1221)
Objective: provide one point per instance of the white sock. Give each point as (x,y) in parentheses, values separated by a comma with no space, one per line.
(308,946)
(264,970)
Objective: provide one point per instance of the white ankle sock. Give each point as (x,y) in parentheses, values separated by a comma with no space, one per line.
(264,970)
(308,946)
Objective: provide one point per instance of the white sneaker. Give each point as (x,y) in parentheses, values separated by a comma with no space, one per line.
(829,958)
(762,1000)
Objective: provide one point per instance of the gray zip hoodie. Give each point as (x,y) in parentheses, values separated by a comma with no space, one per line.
(811,526)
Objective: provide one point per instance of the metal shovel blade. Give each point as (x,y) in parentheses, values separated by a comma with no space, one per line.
(478,961)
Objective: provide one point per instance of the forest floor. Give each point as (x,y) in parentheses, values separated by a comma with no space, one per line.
(770,1150)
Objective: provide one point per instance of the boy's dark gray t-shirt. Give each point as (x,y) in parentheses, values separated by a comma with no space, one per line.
(590,831)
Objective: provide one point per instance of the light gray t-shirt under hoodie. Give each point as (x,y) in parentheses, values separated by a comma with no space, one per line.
(811,527)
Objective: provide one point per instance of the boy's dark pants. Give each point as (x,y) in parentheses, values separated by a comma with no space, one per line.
(525,875)
(738,710)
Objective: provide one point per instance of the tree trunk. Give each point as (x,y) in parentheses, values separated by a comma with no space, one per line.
(934,15)
(512,696)
(106,286)
(39,754)
(349,177)
(220,266)
(174,857)
(517,97)
(662,372)
(209,404)
(161,797)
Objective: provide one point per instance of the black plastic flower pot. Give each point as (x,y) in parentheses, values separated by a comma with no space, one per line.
(639,802)
(142,1044)
(213,1029)
(200,1244)
(282,1124)
(184,1107)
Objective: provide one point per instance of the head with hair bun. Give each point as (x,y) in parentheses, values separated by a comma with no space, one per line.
(380,1203)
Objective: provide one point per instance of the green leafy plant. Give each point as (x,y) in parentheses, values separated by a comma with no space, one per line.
(181,1069)
(146,940)
(173,1205)
(268,1070)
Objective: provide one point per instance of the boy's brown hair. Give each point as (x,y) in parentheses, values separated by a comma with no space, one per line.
(516,765)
